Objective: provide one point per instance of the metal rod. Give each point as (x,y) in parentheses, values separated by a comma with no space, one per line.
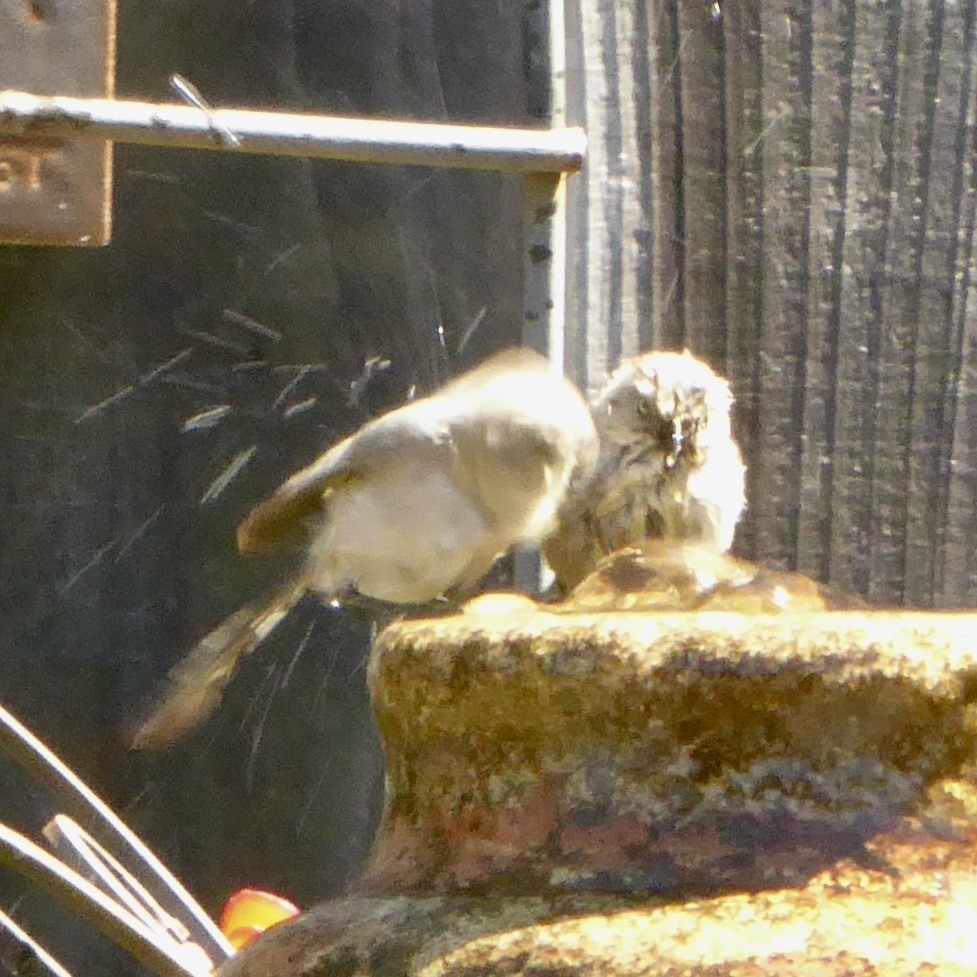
(545,255)
(30,956)
(162,957)
(27,116)
(79,851)
(544,311)
(73,796)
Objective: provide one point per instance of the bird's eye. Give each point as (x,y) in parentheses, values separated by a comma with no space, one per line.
(644,408)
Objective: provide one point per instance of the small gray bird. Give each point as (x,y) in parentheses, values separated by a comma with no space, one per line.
(668,468)
(417,503)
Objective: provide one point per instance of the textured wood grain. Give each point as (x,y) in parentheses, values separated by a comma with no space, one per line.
(744,227)
(597,240)
(898,290)
(958,469)
(665,164)
(832,51)
(811,181)
(783,155)
(936,370)
(701,68)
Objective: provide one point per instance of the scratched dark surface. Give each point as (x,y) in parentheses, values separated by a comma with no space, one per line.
(144,412)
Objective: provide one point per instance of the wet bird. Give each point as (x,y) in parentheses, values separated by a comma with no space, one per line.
(668,468)
(418,503)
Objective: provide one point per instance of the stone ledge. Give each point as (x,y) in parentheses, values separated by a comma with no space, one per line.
(919,917)
(530,750)
(663,795)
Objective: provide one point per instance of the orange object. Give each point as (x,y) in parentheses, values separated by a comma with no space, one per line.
(250,912)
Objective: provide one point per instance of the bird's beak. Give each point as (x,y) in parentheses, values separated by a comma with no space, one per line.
(678,442)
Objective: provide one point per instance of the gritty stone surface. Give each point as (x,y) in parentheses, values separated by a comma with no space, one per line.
(707,794)
(530,751)
(915,914)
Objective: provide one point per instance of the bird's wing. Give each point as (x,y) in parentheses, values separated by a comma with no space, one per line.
(289,508)
(418,429)
(409,433)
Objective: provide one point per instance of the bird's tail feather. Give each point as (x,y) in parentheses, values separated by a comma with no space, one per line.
(194,686)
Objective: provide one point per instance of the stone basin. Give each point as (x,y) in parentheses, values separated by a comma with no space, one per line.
(663,793)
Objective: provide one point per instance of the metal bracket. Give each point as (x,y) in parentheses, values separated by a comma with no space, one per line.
(56,190)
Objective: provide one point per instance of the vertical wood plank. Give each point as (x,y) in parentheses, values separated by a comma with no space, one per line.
(583,346)
(831,63)
(948,102)
(866,209)
(625,183)
(667,281)
(786,156)
(957,581)
(642,86)
(899,297)
(744,232)
(703,190)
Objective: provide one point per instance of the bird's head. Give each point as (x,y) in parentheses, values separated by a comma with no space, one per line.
(665,406)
